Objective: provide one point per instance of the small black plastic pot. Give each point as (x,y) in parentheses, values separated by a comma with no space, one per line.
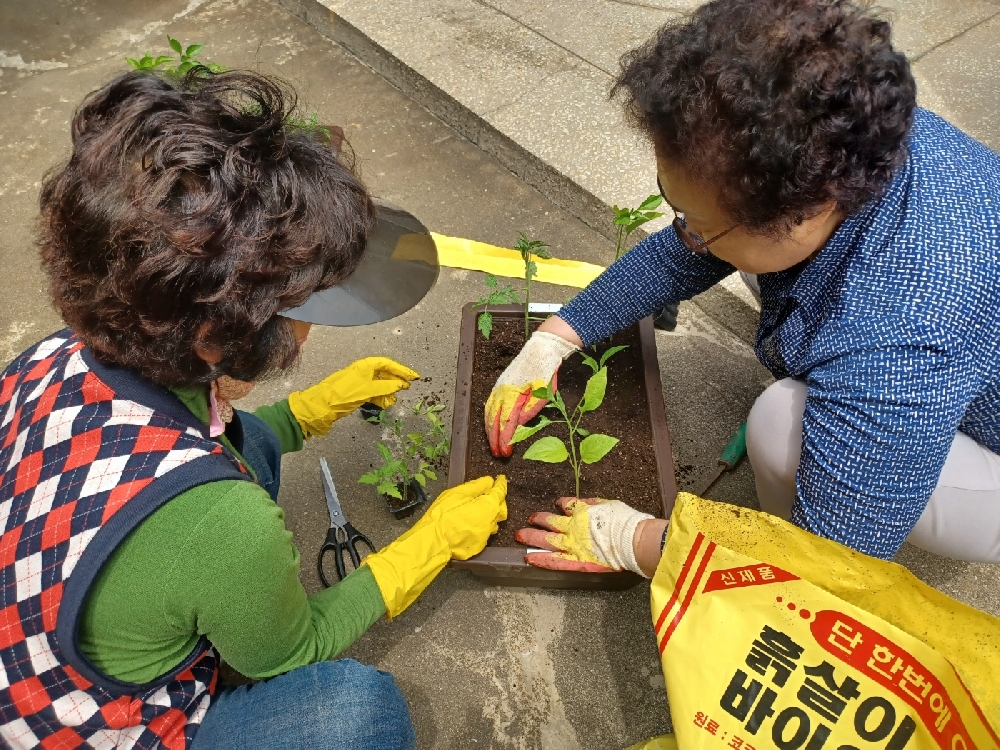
(369,411)
(413,495)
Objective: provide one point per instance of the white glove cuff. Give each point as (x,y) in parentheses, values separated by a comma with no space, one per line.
(612,532)
(538,359)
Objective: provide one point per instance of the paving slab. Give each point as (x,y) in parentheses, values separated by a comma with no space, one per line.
(480,666)
(960,80)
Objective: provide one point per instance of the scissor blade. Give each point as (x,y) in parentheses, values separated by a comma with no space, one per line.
(332,501)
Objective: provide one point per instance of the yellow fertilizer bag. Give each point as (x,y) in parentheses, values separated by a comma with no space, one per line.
(772,637)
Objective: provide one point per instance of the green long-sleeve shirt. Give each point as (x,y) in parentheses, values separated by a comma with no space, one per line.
(218,561)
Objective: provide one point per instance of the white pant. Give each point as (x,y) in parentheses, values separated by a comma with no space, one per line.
(962,519)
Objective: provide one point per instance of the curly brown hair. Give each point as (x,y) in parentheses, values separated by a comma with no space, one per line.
(191,213)
(789,104)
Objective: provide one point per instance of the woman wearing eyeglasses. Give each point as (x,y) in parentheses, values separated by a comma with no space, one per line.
(789,145)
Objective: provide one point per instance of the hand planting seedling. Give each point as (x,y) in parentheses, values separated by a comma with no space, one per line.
(529,249)
(629,219)
(593,447)
(410,457)
(185,60)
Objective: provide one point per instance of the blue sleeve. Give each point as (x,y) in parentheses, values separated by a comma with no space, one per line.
(878,426)
(658,271)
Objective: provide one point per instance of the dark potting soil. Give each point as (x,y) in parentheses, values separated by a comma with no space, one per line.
(627,473)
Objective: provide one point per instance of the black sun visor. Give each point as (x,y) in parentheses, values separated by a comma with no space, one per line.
(399,267)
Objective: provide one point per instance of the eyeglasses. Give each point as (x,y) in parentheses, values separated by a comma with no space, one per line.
(694,241)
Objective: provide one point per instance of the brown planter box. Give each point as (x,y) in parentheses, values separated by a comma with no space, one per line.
(505,565)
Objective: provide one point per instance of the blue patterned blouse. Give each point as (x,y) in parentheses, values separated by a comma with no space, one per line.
(894,327)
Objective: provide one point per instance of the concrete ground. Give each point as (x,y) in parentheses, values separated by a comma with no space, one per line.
(480,666)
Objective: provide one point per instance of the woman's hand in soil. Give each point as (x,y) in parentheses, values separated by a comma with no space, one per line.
(510,403)
(455,526)
(592,536)
(375,379)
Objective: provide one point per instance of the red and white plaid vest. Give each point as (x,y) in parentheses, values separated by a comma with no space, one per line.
(87,453)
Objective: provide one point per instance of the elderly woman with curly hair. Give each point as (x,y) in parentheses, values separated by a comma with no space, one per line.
(139,535)
(789,147)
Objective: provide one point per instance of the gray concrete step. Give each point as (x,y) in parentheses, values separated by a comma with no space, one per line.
(528,80)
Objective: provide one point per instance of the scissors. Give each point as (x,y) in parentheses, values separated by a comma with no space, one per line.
(342,537)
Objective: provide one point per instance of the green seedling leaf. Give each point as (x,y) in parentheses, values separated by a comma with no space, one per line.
(194,49)
(610,353)
(390,489)
(582,432)
(162,59)
(543,393)
(386,453)
(640,220)
(543,254)
(175,45)
(417,438)
(653,201)
(622,220)
(431,474)
(591,362)
(523,433)
(491,281)
(134,63)
(550,450)
(420,479)
(435,409)
(485,324)
(595,447)
(372,477)
(593,396)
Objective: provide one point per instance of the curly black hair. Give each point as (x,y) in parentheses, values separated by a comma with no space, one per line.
(789,104)
(190,213)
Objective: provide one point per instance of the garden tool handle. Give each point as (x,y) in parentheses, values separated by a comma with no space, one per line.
(735,449)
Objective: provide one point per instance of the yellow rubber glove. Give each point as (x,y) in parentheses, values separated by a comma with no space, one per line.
(456,525)
(374,379)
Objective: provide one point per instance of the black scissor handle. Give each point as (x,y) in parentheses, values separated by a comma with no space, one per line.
(340,539)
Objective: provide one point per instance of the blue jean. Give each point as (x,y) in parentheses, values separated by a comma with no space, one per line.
(324,706)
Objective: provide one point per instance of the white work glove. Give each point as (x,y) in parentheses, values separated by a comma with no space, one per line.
(510,403)
(594,536)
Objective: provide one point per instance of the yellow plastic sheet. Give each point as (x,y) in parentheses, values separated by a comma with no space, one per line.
(456,252)
(773,637)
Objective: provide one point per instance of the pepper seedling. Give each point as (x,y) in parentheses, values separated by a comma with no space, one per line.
(529,250)
(629,219)
(497,296)
(593,447)
(185,60)
(408,456)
